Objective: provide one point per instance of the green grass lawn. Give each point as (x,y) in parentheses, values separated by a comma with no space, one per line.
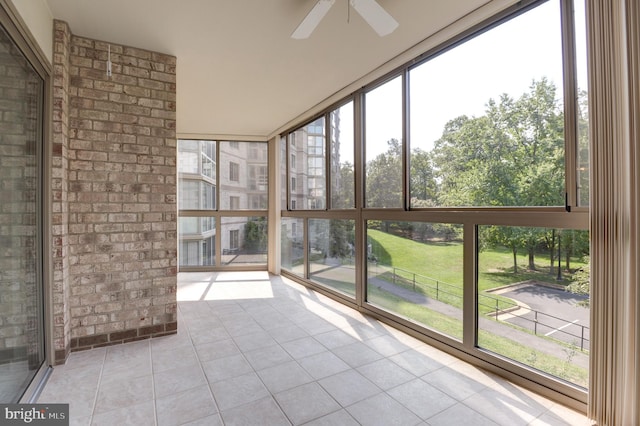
(443,261)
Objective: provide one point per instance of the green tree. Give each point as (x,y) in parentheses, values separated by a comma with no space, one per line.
(511,237)
(255,234)
(341,234)
(575,243)
(384,177)
(423,182)
(581,282)
(513,155)
(343,193)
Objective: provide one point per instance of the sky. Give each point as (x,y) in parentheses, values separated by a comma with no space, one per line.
(461,81)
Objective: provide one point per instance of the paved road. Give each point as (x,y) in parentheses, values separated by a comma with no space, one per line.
(554,313)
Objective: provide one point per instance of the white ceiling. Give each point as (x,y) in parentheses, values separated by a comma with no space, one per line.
(239,73)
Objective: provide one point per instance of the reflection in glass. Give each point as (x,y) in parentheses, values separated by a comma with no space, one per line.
(244,175)
(383,145)
(197,175)
(342,157)
(197,241)
(415,270)
(21,297)
(307,167)
(332,254)
(583,102)
(292,245)
(533,298)
(244,240)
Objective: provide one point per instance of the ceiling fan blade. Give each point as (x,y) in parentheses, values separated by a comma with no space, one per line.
(376,16)
(313,18)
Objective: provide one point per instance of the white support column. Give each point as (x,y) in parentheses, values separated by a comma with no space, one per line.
(275,187)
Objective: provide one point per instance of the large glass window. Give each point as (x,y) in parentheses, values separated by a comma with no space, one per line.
(244,240)
(533,298)
(197,175)
(197,241)
(332,254)
(21,288)
(292,245)
(342,157)
(307,148)
(239,183)
(487,123)
(415,270)
(383,145)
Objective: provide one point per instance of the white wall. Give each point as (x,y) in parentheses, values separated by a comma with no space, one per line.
(39,20)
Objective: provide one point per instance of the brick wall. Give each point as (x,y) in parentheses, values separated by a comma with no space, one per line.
(117,172)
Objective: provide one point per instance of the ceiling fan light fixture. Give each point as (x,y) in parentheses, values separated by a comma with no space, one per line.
(313,18)
(378,18)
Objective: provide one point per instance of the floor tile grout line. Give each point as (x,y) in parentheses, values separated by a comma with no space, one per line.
(95,399)
(153,386)
(211,393)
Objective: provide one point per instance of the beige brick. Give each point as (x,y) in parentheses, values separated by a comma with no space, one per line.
(118,157)
(121,137)
(162,113)
(122,98)
(136,130)
(151,122)
(93,94)
(109,327)
(108,86)
(151,84)
(108,106)
(94,115)
(109,307)
(136,110)
(107,126)
(125,80)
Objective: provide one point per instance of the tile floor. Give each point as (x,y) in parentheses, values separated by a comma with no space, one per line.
(254,349)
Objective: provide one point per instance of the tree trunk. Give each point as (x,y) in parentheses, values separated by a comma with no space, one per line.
(532,263)
(515,260)
(552,250)
(559,277)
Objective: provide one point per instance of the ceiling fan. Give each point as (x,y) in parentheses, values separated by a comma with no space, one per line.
(370,10)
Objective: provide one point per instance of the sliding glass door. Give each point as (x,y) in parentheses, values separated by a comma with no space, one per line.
(21,296)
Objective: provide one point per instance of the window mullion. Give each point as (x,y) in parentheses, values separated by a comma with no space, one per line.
(570,107)
(470,287)
(359,167)
(406,149)
(327,160)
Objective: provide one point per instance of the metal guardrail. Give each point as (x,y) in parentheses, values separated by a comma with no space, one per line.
(428,285)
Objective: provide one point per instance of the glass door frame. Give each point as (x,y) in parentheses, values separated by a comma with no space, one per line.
(18,31)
